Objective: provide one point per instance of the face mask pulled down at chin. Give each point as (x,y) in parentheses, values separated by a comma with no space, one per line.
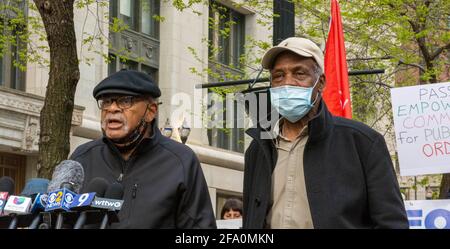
(131,140)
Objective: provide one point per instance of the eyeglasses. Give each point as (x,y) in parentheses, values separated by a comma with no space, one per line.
(123,102)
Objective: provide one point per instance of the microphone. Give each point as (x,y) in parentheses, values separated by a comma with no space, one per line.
(67,180)
(68,171)
(96,188)
(21,205)
(6,189)
(112,201)
(17,205)
(39,204)
(36,188)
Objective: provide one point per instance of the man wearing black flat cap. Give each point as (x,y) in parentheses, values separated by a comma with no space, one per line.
(163,182)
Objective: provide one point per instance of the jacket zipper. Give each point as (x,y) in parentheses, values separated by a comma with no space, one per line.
(134,190)
(125,166)
(122,174)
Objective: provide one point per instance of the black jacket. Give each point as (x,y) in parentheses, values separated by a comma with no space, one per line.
(350,180)
(163,182)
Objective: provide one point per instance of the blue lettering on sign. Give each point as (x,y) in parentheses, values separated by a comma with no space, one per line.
(415,218)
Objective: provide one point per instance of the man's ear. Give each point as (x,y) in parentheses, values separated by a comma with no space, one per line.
(152,110)
(322,82)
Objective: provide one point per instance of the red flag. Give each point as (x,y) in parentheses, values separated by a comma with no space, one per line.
(337,92)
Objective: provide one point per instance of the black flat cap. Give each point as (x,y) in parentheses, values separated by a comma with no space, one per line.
(128,82)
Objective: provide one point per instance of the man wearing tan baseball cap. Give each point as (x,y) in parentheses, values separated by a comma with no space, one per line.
(297,45)
(319,171)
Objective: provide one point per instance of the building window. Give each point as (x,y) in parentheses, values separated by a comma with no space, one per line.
(13,166)
(149,25)
(127,11)
(117,64)
(229,138)
(11,46)
(136,48)
(138,15)
(11,76)
(226,35)
(225,48)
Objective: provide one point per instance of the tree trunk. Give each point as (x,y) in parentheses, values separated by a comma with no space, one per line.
(56,115)
(445,186)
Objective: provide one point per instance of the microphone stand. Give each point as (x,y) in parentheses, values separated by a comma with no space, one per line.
(35,223)
(59,221)
(14,221)
(104,221)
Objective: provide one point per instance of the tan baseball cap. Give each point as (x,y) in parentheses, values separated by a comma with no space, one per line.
(300,46)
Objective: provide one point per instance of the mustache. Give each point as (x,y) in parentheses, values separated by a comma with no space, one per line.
(114,117)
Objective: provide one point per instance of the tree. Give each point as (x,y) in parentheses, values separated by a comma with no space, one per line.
(56,115)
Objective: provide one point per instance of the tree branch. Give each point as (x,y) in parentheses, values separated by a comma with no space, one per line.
(420,41)
(401,62)
(438,51)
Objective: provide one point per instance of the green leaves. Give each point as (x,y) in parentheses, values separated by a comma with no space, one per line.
(159,18)
(117,25)
(400,29)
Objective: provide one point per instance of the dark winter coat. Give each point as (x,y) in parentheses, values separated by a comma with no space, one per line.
(350,179)
(163,182)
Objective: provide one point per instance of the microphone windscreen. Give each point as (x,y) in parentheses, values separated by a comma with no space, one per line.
(97,185)
(7,185)
(68,171)
(35,186)
(114,191)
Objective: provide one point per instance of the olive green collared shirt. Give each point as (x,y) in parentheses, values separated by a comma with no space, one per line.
(290,208)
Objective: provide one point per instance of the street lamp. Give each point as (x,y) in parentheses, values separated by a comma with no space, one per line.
(167,130)
(184,131)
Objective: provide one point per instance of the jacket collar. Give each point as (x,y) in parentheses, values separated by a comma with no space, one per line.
(321,124)
(318,127)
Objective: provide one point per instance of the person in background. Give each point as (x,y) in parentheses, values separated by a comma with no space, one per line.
(232,209)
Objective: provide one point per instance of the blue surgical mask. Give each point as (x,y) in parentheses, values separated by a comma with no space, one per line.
(292,102)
